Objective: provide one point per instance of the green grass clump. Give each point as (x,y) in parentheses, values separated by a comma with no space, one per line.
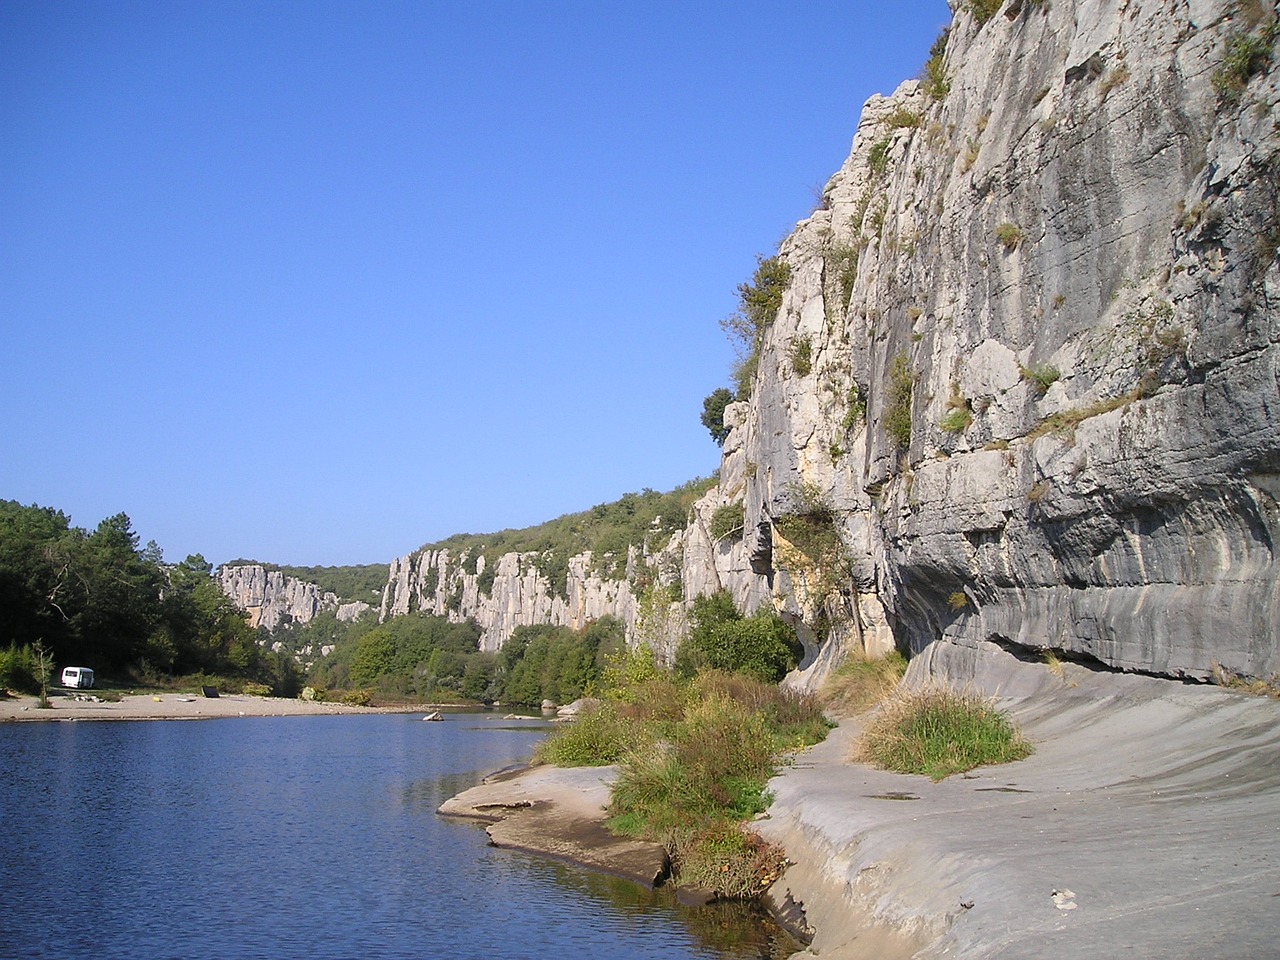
(956,420)
(897,414)
(937,732)
(598,737)
(1009,236)
(1041,375)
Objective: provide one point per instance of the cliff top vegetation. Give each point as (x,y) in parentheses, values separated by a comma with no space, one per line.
(607,530)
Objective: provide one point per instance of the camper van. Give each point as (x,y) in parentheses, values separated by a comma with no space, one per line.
(78,677)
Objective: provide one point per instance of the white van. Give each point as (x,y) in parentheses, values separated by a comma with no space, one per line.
(79,677)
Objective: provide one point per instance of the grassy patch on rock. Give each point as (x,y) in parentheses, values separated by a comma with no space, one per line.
(937,732)
(861,682)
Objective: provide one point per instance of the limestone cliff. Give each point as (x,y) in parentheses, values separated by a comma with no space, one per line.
(268,597)
(517,593)
(1023,385)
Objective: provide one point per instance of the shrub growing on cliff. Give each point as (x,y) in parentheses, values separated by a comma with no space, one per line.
(983,10)
(937,732)
(728,521)
(934,75)
(713,414)
(897,413)
(1246,56)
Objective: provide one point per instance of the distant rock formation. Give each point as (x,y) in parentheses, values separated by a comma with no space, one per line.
(268,597)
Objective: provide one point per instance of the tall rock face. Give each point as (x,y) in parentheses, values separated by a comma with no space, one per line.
(268,597)
(1023,385)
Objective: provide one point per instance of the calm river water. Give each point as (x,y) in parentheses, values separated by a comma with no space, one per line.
(307,837)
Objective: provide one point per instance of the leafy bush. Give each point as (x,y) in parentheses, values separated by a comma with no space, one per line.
(729,520)
(713,414)
(19,670)
(720,638)
(252,689)
(357,698)
(937,732)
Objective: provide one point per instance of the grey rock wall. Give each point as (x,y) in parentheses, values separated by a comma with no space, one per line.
(1074,257)
(438,582)
(267,597)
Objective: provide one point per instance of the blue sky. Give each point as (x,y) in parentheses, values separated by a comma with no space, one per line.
(320,282)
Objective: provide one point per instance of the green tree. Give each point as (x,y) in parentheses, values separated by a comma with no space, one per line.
(761,646)
(713,414)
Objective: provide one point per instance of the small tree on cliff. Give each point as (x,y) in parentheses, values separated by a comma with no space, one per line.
(713,414)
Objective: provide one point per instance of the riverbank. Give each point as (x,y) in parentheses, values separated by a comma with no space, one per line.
(1146,824)
(559,812)
(177,706)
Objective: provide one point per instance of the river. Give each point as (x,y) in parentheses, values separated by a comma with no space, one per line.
(306,837)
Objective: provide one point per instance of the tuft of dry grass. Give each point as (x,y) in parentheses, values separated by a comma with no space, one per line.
(1254,686)
(861,682)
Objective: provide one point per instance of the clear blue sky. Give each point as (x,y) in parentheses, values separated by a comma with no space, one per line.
(319,282)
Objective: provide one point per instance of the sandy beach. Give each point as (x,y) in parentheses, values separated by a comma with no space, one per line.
(176,706)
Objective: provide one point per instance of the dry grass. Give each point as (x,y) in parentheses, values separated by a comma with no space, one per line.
(1254,686)
(861,682)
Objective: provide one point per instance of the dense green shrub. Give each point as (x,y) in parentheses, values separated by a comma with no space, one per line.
(762,646)
(19,670)
(728,520)
(713,414)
